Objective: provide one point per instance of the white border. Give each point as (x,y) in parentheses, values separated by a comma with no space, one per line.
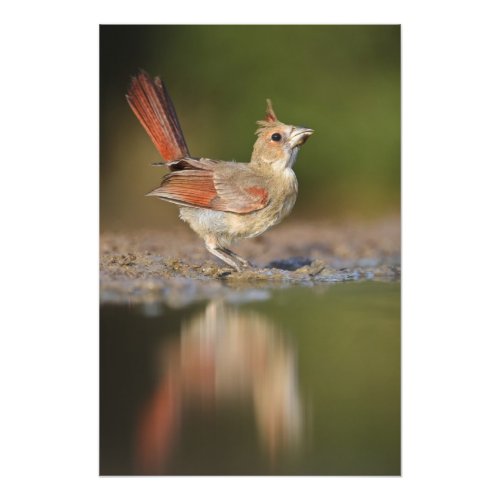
(50,216)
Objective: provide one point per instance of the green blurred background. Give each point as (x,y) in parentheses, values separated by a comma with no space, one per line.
(343,81)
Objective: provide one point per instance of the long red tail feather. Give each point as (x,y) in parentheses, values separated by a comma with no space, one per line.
(155,110)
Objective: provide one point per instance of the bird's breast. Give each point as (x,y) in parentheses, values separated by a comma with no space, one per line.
(282,196)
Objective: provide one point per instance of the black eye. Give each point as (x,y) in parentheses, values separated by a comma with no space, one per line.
(276,137)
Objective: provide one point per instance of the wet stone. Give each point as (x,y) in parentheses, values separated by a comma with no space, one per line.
(291,264)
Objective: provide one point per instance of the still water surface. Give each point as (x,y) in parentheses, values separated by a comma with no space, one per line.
(305,382)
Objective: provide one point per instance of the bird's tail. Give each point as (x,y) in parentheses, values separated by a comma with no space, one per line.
(155,110)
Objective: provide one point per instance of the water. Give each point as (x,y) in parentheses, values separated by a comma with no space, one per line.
(305,382)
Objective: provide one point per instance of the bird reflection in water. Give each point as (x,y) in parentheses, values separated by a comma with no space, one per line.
(223,356)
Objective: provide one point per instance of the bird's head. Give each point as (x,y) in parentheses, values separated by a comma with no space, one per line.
(278,143)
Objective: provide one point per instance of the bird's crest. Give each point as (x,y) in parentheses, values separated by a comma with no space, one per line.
(271,120)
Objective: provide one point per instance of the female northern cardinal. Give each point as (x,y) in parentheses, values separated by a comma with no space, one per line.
(222,201)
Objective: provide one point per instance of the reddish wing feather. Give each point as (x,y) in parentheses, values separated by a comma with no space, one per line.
(260,194)
(198,188)
(153,107)
(240,200)
(188,187)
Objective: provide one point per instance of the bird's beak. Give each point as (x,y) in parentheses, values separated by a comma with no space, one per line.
(299,136)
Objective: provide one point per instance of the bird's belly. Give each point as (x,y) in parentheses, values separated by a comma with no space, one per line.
(204,221)
(255,223)
(228,227)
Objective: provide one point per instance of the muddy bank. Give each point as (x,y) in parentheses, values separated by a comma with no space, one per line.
(173,267)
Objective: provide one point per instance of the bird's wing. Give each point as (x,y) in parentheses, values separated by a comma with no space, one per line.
(217,185)
(189,163)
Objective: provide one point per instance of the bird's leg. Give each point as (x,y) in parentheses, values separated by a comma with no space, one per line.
(223,255)
(241,260)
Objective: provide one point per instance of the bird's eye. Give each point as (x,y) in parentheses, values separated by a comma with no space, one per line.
(276,137)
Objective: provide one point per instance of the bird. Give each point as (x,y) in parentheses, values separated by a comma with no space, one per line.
(222,201)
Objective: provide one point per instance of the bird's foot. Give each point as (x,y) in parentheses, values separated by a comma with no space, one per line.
(245,264)
(228,256)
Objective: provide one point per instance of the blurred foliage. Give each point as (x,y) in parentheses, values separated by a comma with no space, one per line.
(343,81)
